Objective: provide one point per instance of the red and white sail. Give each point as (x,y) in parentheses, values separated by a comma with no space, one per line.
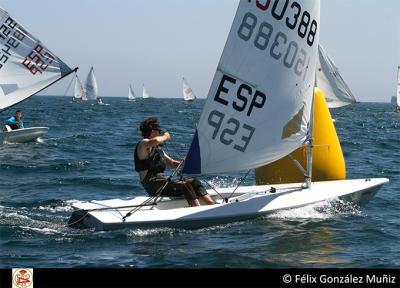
(27,66)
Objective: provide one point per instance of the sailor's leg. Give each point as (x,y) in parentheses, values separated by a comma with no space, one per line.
(201,192)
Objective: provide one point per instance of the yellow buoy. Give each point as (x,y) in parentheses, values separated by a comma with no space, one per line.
(328,161)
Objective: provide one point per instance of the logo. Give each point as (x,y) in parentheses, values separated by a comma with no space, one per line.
(22,277)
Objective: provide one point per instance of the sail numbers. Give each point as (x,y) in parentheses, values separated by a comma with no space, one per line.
(11,35)
(302,18)
(277,43)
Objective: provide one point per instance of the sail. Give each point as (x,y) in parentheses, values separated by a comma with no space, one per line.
(78,91)
(145,93)
(259,104)
(131,94)
(328,78)
(188,94)
(91,89)
(398,87)
(26,65)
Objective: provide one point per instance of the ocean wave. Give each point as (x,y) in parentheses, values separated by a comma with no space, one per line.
(65,165)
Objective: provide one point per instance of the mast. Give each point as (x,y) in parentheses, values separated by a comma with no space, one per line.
(310,146)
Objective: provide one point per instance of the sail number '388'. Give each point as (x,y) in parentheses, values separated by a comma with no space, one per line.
(278,46)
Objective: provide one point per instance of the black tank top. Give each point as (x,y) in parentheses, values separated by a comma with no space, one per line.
(154,164)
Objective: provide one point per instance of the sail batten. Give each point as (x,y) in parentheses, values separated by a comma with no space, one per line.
(25,62)
(259,103)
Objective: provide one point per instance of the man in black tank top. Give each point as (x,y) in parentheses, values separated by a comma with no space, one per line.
(151,162)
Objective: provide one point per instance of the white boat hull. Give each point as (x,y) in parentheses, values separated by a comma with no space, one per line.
(246,203)
(23,135)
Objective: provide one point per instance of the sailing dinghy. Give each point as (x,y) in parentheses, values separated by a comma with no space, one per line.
(26,68)
(145,93)
(398,91)
(258,110)
(131,94)
(188,94)
(91,88)
(79,92)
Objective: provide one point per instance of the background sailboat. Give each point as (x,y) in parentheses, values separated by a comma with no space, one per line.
(131,94)
(337,92)
(145,93)
(21,75)
(91,88)
(79,93)
(398,90)
(188,94)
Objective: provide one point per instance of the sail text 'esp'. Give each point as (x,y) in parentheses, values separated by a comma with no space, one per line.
(216,118)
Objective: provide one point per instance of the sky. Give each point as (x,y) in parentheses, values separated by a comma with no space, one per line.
(158,42)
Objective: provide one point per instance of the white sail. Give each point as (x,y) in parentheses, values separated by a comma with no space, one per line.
(78,91)
(91,89)
(259,103)
(328,78)
(131,94)
(398,88)
(26,65)
(188,94)
(145,93)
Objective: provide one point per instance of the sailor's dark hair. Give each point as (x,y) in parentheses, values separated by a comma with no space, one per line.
(18,111)
(148,125)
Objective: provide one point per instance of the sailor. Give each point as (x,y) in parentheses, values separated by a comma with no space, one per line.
(15,121)
(151,162)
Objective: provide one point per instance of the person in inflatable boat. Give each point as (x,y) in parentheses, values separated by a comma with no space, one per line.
(15,122)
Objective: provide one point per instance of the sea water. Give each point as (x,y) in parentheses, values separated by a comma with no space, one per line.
(88,155)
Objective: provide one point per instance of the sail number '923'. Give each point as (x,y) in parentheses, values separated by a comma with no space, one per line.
(229,130)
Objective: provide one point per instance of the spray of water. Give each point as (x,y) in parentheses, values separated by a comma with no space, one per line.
(323,210)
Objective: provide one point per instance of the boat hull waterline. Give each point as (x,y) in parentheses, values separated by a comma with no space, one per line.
(23,135)
(246,203)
